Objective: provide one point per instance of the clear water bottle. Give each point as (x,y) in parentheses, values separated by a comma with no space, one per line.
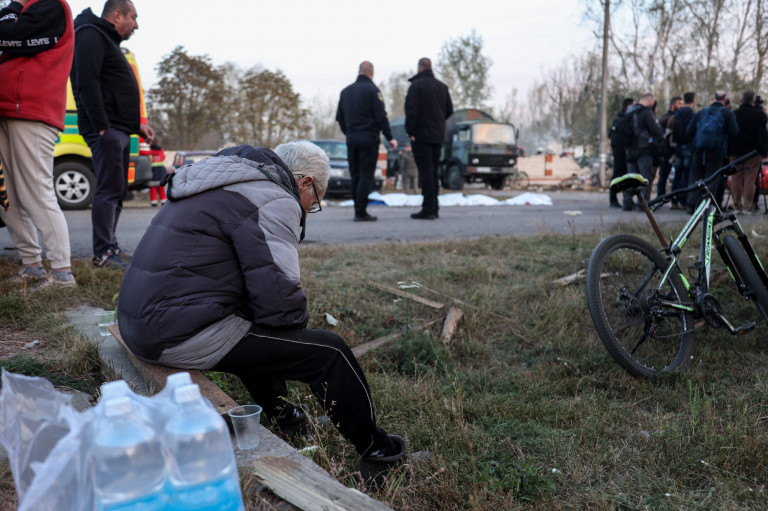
(203,472)
(127,462)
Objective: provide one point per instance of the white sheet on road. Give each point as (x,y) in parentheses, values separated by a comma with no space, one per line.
(455,199)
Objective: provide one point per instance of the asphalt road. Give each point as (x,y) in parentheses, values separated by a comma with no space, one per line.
(571,212)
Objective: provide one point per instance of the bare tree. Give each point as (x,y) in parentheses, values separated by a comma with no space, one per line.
(464,68)
(322,118)
(394,90)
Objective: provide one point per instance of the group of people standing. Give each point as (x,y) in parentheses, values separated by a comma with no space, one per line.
(361,116)
(695,144)
(43,46)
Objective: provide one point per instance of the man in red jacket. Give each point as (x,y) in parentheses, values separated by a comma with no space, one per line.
(37,43)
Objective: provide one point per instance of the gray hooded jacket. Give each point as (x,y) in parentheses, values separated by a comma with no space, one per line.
(220,256)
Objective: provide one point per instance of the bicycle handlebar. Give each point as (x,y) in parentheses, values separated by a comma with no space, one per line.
(728,170)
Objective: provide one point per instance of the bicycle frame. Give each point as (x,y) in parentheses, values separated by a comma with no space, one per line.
(715,222)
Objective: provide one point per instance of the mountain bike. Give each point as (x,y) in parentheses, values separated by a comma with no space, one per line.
(643,306)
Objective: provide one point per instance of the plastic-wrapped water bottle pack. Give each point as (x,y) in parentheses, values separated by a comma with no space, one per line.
(171,451)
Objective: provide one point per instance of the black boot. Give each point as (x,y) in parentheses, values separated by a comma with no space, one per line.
(374,467)
(291,421)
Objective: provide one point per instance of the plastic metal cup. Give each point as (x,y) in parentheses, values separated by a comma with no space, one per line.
(104,319)
(245,422)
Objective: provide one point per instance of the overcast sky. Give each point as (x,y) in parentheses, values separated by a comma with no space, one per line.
(318,45)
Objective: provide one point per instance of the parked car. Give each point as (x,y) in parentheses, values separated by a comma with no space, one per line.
(187,157)
(340,181)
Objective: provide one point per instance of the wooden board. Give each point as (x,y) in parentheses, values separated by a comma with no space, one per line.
(155,376)
(309,490)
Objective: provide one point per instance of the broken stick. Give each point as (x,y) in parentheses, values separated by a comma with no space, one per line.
(404,294)
(564,281)
(451,323)
(368,346)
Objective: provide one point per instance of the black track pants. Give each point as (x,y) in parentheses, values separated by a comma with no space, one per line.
(266,357)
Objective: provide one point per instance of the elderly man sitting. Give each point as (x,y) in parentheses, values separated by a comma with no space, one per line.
(214,285)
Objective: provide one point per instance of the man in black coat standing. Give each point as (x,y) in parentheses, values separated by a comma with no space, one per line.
(427,106)
(639,152)
(361,116)
(108,112)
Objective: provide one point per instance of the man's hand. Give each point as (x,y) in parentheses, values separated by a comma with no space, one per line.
(147,132)
(413,139)
(393,143)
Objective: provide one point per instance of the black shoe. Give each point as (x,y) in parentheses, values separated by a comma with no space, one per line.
(424,216)
(615,205)
(375,466)
(292,421)
(366,218)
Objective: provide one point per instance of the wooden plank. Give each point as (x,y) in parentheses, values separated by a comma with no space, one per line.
(404,294)
(155,375)
(361,349)
(309,490)
(452,321)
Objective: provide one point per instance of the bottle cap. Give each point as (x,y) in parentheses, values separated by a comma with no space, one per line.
(114,389)
(118,406)
(178,379)
(187,393)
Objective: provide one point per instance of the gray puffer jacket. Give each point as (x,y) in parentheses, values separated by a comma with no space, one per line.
(219,256)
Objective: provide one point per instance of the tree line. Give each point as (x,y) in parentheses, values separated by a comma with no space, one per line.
(196,105)
(666,47)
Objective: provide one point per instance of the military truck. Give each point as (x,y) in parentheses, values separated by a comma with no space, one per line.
(476,149)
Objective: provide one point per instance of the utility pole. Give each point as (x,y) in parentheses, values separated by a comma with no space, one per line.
(604,96)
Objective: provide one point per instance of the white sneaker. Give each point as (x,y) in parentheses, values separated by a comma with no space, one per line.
(51,281)
(23,277)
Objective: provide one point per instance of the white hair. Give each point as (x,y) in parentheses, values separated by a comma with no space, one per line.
(305,158)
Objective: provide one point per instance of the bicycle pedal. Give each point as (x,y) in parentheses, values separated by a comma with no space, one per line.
(743,329)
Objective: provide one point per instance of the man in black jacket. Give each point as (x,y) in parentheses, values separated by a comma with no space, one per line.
(667,150)
(618,147)
(709,131)
(683,148)
(751,121)
(361,116)
(427,106)
(639,155)
(108,112)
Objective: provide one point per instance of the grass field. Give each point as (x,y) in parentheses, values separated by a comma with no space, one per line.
(524,409)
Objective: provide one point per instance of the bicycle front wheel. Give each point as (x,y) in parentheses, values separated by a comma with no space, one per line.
(757,292)
(645,325)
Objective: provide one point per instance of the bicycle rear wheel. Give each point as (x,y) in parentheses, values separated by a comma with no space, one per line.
(757,291)
(647,328)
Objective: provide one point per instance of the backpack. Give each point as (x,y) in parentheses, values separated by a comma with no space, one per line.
(682,118)
(623,130)
(709,129)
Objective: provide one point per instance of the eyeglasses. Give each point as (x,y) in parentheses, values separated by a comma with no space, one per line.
(315,207)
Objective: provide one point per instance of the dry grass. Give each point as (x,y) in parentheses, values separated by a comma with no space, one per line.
(525,409)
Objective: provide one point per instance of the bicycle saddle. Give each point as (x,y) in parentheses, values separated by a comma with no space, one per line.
(628,181)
